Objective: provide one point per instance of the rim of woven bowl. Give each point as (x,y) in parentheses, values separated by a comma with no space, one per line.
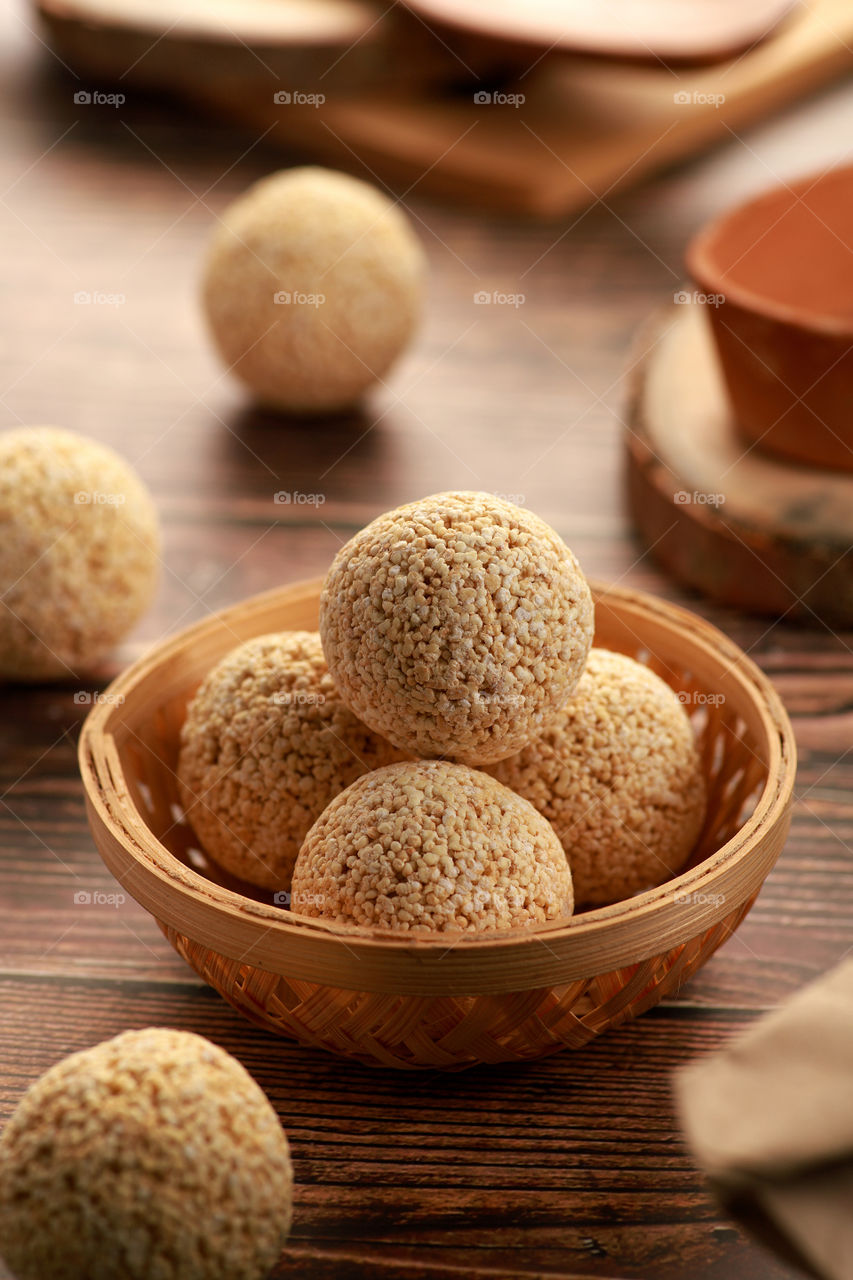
(364,958)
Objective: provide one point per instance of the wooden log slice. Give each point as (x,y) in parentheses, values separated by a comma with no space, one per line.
(739,525)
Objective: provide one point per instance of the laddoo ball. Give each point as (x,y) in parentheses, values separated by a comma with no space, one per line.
(266,744)
(619,777)
(456,626)
(430,846)
(81,549)
(312,288)
(152,1156)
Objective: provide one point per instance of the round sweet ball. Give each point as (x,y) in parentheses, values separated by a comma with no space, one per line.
(80,554)
(153,1156)
(266,744)
(312,288)
(429,846)
(457,626)
(620,779)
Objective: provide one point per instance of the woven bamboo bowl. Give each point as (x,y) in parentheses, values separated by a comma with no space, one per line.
(454,1000)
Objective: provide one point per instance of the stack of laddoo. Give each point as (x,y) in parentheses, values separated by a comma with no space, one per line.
(448,752)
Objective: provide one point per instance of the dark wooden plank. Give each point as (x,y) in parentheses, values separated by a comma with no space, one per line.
(572,1165)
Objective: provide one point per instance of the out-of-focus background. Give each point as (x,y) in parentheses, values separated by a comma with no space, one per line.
(569,1166)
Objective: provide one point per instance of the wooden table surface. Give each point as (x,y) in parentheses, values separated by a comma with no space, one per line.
(568,1167)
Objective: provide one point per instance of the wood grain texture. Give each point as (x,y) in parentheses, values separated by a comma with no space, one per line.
(568,1167)
(560,1168)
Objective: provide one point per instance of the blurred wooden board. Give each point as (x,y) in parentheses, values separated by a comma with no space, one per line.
(649,30)
(646,30)
(742,526)
(584,127)
(265,45)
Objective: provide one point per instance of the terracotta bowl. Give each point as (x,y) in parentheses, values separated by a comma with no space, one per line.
(777,275)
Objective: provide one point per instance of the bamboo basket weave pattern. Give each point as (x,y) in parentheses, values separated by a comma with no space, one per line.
(451,1001)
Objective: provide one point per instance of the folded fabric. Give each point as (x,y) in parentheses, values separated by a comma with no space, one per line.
(770,1120)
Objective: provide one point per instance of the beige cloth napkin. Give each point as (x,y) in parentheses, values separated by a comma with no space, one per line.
(770,1120)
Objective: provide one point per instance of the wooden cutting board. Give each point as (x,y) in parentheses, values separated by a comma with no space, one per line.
(558,137)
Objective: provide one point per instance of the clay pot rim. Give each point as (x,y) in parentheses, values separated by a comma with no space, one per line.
(699,259)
